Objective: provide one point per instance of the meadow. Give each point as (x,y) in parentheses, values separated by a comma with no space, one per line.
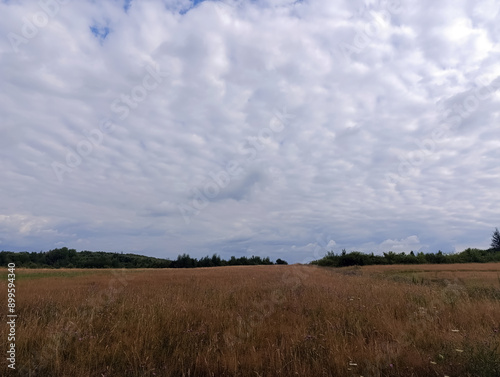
(422,320)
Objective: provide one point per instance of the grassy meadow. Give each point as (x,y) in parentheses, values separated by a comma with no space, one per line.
(422,320)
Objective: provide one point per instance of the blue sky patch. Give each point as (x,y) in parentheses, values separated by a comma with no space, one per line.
(100,32)
(126,5)
(195,3)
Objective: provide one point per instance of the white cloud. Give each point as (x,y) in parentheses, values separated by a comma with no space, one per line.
(403,245)
(227,68)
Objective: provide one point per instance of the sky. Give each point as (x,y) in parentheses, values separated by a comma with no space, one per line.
(268,127)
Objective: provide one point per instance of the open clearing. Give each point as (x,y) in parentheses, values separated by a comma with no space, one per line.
(423,320)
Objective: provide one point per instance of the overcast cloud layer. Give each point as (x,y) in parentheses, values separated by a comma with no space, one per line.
(274,128)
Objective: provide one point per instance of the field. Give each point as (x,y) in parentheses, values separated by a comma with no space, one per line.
(426,320)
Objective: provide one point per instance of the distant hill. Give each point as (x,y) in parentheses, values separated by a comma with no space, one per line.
(70,258)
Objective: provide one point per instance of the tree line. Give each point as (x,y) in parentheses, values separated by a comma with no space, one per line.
(70,258)
(355,258)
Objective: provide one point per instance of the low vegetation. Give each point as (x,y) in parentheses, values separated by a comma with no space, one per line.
(420,320)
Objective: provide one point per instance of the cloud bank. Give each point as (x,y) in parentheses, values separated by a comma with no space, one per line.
(274,128)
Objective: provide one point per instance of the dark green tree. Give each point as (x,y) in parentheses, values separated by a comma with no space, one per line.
(495,240)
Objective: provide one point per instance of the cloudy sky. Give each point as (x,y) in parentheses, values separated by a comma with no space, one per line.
(276,128)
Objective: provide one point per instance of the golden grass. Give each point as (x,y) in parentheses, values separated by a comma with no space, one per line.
(259,321)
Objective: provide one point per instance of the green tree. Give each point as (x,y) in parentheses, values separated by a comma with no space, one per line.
(216,260)
(495,240)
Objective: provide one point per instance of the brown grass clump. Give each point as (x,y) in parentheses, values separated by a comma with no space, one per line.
(259,321)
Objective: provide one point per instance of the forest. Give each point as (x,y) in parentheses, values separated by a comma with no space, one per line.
(355,258)
(70,258)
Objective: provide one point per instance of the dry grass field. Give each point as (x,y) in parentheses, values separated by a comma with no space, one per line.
(427,320)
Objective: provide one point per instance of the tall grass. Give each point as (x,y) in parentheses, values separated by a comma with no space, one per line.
(259,321)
